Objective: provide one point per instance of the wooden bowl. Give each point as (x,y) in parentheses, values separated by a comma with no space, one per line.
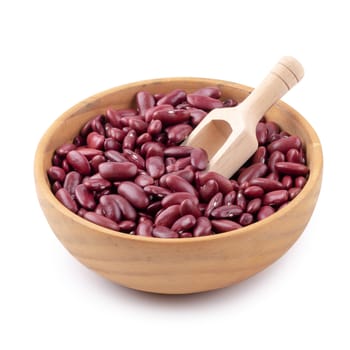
(176,266)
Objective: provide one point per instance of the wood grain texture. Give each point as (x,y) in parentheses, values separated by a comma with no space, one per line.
(176,266)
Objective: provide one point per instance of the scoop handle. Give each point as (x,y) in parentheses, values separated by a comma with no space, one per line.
(283,76)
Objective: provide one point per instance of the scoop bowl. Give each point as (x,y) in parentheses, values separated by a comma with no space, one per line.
(176,266)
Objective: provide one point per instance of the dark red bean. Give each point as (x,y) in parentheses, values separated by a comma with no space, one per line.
(203,227)
(246,219)
(117,134)
(188,207)
(251,172)
(293,155)
(185,235)
(168,216)
(208,190)
(101,220)
(157,191)
(178,198)
(178,184)
(287,181)
(97,184)
(56,186)
(199,158)
(260,155)
(110,208)
(78,162)
(144,101)
(154,127)
(180,164)
(115,156)
(230,198)
(203,102)
(293,192)
(155,166)
(63,150)
(184,223)
(144,180)
(224,225)
(215,202)
(284,144)
(135,158)
(226,211)
(253,191)
(253,205)
(151,111)
(96,161)
(111,143)
(275,197)
(65,198)
(130,140)
(261,133)
(56,173)
(290,168)
(138,125)
(241,201)
(173,97)
(173,116)
(196,116)
(114,171)
(88,152)
(95,140)
(266,184)
(144,228)
(143,138)
(71,181)
(178,133)
(84,197)
(164,232)
(126,226)
(178,151)
(225,184)
(272,130)
(150,149)
(134,194)
(264,212)
(113,117)
(300,181)
(275,157)
(128,211)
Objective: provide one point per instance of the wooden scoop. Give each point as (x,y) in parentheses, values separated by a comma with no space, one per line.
(228,134)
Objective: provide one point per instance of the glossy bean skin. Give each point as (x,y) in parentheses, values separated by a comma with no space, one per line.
(134,194)
(208,190)
(65,148)
(144,180)
(155,166)
(144,228)
(65,198)
(84,197)
(188,207)
(110,208)
(214,203)
(224,225)
(290,168)
(56,173)
(266,184)
(251,172)
(225,184)
(203,227)
(71,181)
(178,198)
(284,144)
(254,205)
(173,97)
(203,102)
(253,191)
(226,211)
(179,132)
(144,101)
(264,212)
(164,232)
(168,216)
(184,223)
(78,162)
(101,220)
(97,184)
(260,155)
(115,171)
(178,184)
(261,133)
(127,210)
(246,219)
(199,158)
(276,197)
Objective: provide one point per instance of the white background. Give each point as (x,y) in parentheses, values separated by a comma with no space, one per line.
(55,54)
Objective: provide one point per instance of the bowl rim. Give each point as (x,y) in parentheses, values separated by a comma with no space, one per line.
(45,191)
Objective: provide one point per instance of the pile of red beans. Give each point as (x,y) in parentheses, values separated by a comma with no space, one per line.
(127,170)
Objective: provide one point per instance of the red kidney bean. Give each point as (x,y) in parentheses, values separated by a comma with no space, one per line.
(178,198)
(246,219)
(144,228)
(155,166)
(117,134)
(110,208)
(164,232)
(157,191)
(151,111)
(96,161)
(273,176)
(178,184)
(111,143)
(95,140)
(78,162)
(65,165)
(290,168)
(56,173)
(241,201)
(134,194)
(144,101)
(56,160)
(65,198)
(260,155)
(128,211)
(143,138)
(180,164)
(178,151)
(253,205)
(178,133)
(224,225)
(293,192)
(264,212)
(71,181)
(225,184)
(88,152)
(144,180)
(284,144)
(203,227)
(300,181)
(275,197)
(96,125)
(138,125)
(210,91)
(173,97)
(287,181)
(173,116)
(208,190)
(230,198)
(168,216)
(196,116)
(275,157)
(184,223)
(199,158)
(101,220)
(155,126)
(115,156)
(251,172)
(113,117)
(185,235)
(266,184)
(214,203)
(84,197)
(114,171)
(188,207)
(226,211)
(56,186)
(63,150)
(130,140)
(293,155)
(127,226)
(152,148)
(97,184)
(253,191)
(272,130)
(261,133)
(203,102)
(135,158)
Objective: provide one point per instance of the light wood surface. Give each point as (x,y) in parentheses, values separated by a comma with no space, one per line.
(232,130)
(176,266)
